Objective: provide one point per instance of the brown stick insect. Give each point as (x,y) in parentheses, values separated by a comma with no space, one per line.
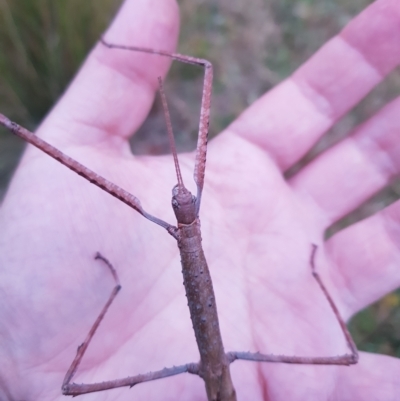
(214,364)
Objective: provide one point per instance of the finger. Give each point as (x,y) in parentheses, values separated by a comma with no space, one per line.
(114,90)
(357,167)
(288,120)
(374,378)
(367,259)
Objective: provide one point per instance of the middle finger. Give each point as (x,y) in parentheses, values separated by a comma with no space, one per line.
(349,173)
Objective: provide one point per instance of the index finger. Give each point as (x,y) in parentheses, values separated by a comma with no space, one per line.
(289,119)
(114,90)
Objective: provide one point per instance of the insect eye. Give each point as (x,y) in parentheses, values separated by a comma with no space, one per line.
(175,203)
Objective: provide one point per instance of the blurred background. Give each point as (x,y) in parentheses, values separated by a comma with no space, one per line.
(253,44)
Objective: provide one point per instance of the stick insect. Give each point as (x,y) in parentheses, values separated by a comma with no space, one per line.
(214,364)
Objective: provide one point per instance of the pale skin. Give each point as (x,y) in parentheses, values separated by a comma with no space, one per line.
(257,228)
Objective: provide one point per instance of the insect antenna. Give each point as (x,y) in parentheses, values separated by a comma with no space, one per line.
(171,138)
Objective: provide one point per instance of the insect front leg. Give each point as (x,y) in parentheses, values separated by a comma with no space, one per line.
(201,148)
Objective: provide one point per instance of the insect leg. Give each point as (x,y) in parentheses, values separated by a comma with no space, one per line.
(201,149)
(83,347)
(81,170)
(74,389)
(345,359)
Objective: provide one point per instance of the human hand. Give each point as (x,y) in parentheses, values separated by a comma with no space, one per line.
(257,228)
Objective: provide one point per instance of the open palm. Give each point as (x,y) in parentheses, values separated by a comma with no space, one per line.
(258,228)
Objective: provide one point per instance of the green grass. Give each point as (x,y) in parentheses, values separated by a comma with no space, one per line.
(253,44)
(43,42)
